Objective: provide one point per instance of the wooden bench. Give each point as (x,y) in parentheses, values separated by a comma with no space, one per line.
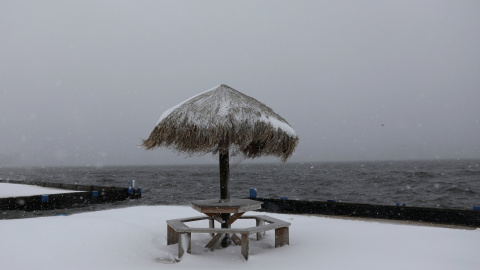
(178,232)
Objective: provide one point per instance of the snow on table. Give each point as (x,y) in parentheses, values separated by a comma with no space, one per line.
(16,190)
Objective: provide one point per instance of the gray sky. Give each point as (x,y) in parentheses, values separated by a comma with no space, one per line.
(82,82)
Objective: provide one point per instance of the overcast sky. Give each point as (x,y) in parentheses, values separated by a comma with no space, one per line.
(83,82)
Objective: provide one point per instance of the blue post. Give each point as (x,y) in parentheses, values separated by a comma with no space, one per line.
(476,208)
(283,198)
(397,204)
(140,191)
(44,198)
(94,193)
(253,193)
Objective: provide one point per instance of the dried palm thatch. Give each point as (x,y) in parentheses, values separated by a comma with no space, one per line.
(221,119)
(225,122)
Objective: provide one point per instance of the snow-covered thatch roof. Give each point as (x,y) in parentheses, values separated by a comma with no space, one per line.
(222,118)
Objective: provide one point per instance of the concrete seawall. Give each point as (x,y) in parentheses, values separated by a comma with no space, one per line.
(470,218)
(87,195)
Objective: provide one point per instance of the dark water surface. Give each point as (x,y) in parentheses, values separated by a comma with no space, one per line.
(443,184)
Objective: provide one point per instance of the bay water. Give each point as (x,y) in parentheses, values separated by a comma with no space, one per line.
(427,183)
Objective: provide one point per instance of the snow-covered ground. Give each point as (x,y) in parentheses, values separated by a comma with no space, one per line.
(17,190)
(135,238)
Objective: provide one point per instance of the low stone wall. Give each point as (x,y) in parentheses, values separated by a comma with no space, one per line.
(459,217)
(87,195)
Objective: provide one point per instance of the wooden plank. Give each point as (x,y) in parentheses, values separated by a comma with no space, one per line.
(215,242)
(180,227)
(197,218)
(236,239)
(234,217)
(189,219)
(196,207)
(219,209)
(216,217)
(268,219)
(230,230)
(226,206)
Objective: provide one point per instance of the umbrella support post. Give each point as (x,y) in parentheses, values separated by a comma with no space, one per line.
(224,175)
(224,163)
(227,241)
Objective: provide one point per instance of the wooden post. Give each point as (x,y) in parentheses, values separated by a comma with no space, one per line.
(184,241)
(245,245)
(172,236)
(224,187)
(211,224)
(189,243)
(227,241)
(224,173)
(281,237)
(260,223)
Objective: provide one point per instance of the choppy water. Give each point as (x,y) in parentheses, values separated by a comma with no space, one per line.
(444,184)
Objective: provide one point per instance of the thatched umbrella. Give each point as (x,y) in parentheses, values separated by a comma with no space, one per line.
(226,122)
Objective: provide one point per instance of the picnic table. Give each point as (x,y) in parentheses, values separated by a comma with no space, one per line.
(220,211)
